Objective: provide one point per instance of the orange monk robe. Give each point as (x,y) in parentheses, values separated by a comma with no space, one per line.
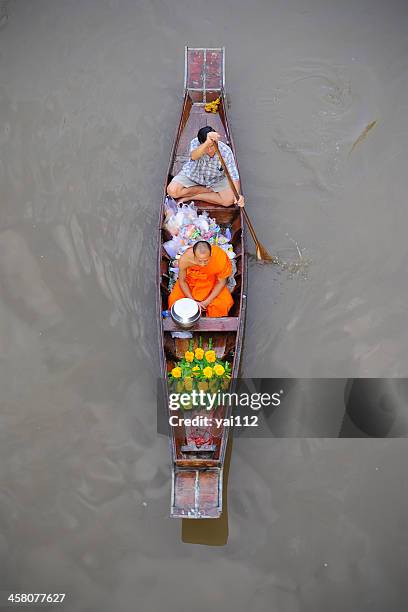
(201,280)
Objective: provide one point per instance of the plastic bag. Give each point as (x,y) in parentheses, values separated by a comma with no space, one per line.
(172,226)
(173,246)
(189,213)
(170,207)
(181,334)
(222,240)
(202,223)
(231,282)
(188,231)
(179,219)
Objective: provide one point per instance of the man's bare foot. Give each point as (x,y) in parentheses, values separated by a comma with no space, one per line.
(182,200)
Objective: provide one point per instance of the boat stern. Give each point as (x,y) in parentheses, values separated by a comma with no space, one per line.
(196,493)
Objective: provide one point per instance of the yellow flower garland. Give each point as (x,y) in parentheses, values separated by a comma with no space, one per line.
(208,372)
(219,369)
(210,356)
(199,353)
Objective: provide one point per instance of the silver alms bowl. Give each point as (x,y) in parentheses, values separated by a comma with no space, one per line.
(185,312)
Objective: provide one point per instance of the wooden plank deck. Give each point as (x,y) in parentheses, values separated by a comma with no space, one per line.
(198,118)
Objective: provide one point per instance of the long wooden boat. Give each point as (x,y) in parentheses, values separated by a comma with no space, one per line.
(196,476)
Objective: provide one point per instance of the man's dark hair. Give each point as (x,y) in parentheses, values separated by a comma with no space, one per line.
(200,244)
(202,133)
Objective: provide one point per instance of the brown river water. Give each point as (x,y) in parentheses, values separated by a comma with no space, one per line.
(90,96)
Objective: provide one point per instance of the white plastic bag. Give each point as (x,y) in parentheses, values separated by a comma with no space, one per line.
(170,207)
(202,223)
(172,226)
(189,214)
(173,246)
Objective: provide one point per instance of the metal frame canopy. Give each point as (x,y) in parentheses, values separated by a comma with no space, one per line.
(204,71)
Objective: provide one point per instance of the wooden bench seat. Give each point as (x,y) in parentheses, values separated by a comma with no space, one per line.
(188,448)
(221,324)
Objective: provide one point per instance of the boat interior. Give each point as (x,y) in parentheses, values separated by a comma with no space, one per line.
(223,330)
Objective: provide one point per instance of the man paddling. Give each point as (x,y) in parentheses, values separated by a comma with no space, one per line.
(203,177)
(203,273)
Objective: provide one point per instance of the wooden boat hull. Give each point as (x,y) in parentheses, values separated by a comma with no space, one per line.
(196,490)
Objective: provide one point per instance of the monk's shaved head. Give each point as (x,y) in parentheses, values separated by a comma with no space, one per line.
(202,252)
(202,247)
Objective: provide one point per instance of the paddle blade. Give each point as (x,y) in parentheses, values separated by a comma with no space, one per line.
(263,255)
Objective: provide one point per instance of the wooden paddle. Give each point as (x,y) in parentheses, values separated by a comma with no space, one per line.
(261,253)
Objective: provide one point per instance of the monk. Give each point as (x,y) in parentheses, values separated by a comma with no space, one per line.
(203,273)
